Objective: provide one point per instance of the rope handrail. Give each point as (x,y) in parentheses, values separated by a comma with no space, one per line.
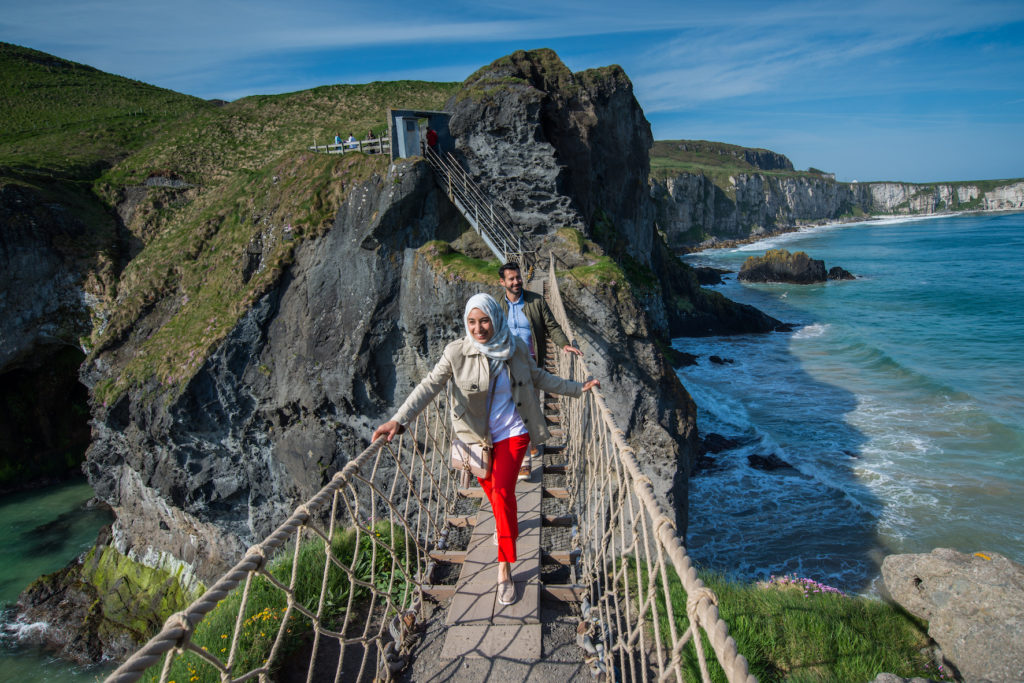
(405,485)
(400,503)
(629,544)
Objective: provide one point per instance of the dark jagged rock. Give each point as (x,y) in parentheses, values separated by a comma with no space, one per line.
(46,251)
(566,149)
(778,265)
(716,443)
(101,606)
(839,273)
(974,605)
(718,360)
(768,463)
(194,478)
(709,276)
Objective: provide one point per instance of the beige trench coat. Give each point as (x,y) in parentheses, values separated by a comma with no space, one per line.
(470,372)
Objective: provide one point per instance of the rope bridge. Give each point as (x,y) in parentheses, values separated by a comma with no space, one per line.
(337,590)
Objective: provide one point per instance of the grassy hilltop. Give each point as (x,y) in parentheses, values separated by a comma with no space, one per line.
(231,175)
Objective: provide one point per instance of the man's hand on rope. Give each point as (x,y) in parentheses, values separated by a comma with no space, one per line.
(569,348)
(388,429)
(591,384)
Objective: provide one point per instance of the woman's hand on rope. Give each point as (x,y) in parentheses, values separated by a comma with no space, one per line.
(569,348)
(591,384)
(388,429)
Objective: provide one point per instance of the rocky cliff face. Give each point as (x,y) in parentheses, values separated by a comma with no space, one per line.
(196,472)
(565,149)
(47,253)
(692,209)
(195,477)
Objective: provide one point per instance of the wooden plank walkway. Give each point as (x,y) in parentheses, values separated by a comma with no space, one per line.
(480,626)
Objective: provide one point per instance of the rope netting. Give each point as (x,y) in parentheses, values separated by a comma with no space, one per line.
(334,591)
(337,590)
(645,601)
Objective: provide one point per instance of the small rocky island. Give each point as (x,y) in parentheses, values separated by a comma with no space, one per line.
(778,265)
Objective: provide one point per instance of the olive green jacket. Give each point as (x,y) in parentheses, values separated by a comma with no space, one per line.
(470,373)
(542,323)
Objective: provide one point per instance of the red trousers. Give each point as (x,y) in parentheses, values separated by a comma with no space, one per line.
(500,488)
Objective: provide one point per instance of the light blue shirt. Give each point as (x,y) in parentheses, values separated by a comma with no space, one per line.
(518,323)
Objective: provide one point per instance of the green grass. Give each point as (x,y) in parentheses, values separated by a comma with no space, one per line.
(799,630)
(79,136)
(72,119)
(456,266)
(264,614)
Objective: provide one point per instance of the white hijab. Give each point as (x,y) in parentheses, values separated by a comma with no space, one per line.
(502,344)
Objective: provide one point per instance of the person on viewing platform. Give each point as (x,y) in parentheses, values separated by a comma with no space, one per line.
(531,320)
(351,143)
(370,135)
(494,401)
(337,139)
(432,139)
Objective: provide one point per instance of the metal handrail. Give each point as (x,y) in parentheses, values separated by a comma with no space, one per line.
(492,220)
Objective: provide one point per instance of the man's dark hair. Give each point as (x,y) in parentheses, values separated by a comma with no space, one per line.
(511,265)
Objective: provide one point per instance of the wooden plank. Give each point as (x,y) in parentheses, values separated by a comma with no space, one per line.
(556,492)
(472,604)
(472,492)
(562,556)
(558,468)
(449,556)
(525,610)
(438,592)
(564,592)
(462,520)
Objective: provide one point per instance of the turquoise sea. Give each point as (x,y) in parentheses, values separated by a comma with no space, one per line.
(40,532)
(898,401)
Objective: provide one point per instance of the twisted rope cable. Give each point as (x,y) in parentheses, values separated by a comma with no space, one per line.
(660,538)
(355,492)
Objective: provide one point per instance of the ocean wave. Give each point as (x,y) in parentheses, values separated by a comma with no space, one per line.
(24,632)
(812,330)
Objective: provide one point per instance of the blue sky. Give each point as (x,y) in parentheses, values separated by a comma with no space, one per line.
(917,91)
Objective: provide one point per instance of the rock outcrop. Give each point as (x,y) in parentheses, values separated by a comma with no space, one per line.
(840,273)
(565,149)
(974,605)
(100,607)
(194,477)
(778,265)
(46,252)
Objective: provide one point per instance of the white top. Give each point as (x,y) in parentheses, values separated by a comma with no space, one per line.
(504,420)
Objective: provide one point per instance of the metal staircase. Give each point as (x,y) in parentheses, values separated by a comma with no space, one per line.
(488,218)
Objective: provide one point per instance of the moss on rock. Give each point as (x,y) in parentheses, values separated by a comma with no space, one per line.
(104,604)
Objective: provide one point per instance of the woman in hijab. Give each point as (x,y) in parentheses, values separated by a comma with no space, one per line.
(494,400)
